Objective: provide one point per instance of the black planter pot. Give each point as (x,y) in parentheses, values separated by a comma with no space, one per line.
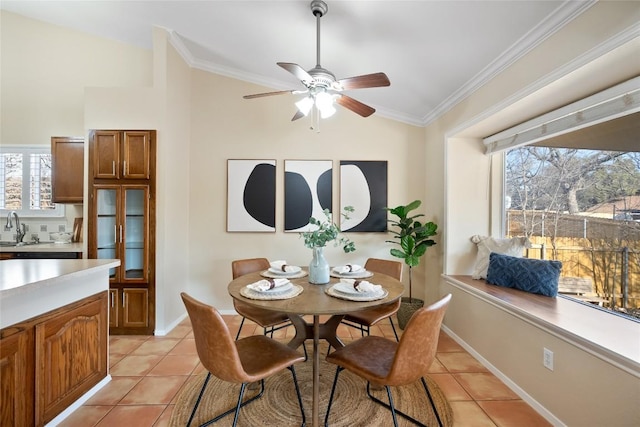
(407,308)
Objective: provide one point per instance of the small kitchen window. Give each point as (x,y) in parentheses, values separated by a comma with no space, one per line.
(25,182)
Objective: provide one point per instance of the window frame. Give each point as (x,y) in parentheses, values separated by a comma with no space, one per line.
(26,150)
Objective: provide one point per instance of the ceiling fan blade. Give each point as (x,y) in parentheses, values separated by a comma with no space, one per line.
(260,95)
(297,115)
(297,71)
(362,82)
(355,106)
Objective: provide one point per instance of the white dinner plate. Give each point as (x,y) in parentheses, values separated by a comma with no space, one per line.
(362,274)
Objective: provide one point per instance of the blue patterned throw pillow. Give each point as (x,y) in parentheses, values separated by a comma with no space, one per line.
(531,275)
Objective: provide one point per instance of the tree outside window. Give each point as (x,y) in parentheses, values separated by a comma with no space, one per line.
(581,207)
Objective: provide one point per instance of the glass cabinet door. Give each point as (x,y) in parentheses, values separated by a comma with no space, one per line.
(107,225)
(135,243)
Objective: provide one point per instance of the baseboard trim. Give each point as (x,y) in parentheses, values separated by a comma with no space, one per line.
(78,403)
(506,380)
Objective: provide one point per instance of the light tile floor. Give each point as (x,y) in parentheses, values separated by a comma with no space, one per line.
(148,372)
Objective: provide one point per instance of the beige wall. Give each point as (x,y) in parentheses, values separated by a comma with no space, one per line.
(172,78)
(45,70)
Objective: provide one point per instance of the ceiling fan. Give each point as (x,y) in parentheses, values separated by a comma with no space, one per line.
(322,87)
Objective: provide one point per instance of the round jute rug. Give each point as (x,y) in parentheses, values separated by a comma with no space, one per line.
(279,405)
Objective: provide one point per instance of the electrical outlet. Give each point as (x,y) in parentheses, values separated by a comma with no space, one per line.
(547,358)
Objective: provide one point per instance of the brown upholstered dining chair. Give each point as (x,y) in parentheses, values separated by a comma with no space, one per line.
(243,361)
(363,320)
(270,321)
(388,363)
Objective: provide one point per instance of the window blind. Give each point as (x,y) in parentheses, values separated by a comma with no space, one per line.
(616,102)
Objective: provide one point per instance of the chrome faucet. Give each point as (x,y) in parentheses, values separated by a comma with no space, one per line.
(20,232)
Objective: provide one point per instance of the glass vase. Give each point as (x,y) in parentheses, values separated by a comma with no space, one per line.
(318,268)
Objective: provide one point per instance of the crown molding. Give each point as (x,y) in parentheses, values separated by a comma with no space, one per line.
(564,14)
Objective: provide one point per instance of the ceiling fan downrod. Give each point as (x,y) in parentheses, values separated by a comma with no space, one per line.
(319,9)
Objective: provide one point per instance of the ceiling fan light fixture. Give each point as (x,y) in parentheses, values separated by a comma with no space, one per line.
(304,105)
(324,102)
(327,111)
(321,85)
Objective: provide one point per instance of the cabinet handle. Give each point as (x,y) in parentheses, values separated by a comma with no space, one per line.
(123,299)
(120,233)
(111,299)
(124,168)
(115,234)
(113,167)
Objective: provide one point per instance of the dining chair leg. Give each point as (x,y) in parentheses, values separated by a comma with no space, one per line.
(393,410)
(195,407)
(433,405)
(240,404)
(333,390)
(295,383)
(239,329)
(394,329)
(240,396)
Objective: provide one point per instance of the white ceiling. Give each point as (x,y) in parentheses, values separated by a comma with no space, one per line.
(435,53)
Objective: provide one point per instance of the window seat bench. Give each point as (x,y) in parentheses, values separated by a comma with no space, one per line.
(604,334)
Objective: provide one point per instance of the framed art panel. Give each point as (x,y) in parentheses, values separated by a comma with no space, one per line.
(251,195)
(363,185)
(307,192)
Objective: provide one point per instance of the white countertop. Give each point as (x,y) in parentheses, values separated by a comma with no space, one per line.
(30,287)
(44,247)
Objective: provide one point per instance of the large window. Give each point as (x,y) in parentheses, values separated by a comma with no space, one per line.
(581,207)
(25,182)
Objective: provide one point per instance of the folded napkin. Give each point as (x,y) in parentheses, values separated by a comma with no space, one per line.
(348,268)
(267,284)
(283,266)
(362,285)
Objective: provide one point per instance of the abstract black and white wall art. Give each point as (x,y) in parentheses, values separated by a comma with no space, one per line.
(363,185)
(307,192)
(251,195)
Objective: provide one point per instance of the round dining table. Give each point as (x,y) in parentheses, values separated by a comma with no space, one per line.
(314,300)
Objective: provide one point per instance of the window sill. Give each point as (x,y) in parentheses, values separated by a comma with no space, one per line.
(607,336)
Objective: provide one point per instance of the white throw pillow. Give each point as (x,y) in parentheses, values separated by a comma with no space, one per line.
(514,246)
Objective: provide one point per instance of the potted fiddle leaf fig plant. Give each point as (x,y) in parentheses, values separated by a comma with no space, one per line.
(413,238)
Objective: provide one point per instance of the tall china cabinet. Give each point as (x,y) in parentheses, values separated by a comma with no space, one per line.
(122,180)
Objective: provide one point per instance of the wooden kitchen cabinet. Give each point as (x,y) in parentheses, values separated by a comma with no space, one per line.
(71,357)
(50,361)
(129,308)
(17,370)
(121,223)
(67,169)
(121,154)
(120,229)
